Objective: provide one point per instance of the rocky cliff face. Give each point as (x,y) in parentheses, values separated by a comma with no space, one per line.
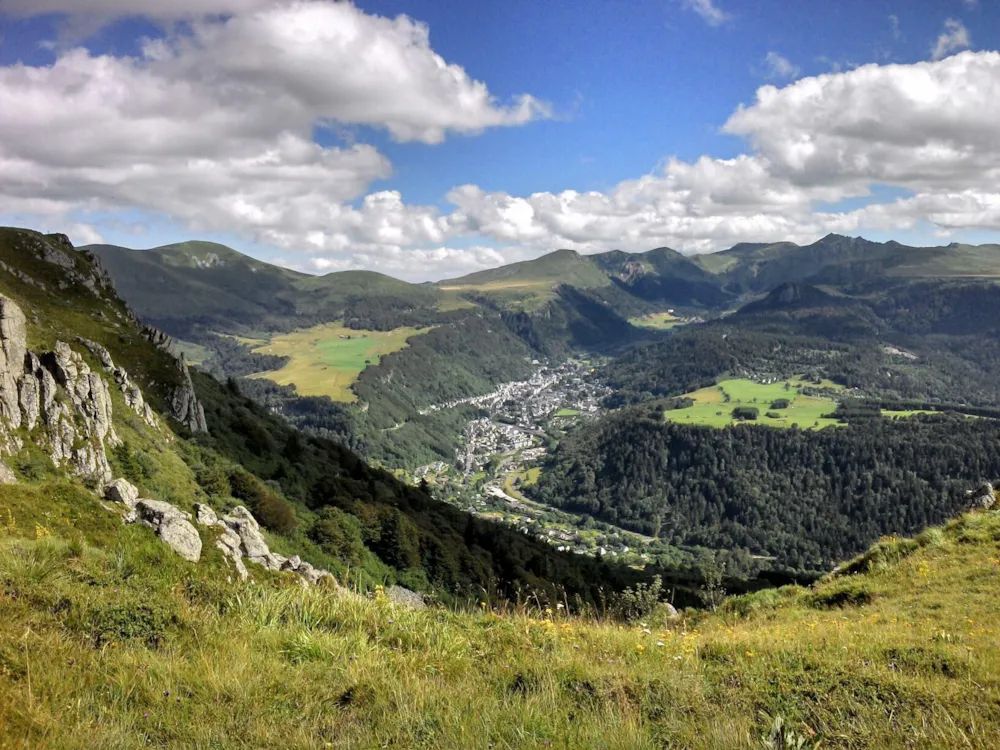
(54,399)
(184,404)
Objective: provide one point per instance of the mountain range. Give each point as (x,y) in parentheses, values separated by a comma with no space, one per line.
(197,283)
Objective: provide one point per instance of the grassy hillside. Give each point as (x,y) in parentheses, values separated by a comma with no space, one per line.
(108,640)
(559,267)
(529,284)
(199,287)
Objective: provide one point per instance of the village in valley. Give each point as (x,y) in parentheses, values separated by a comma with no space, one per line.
(501,452)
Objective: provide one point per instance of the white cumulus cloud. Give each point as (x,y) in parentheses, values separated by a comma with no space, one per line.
(927,128)
(213,126)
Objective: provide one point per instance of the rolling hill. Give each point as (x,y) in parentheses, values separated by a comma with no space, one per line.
(206,286)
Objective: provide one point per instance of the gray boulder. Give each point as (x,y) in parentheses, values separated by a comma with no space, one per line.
(122,491)
(255,547)
(231,546)
(172,526)
(184,405)
(13,349)
(312,576)
(241,513)
(405,598)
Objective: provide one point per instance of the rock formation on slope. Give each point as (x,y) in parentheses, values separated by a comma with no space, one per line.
(239,537)
(55,398)
(983,497)
(184,403)
(64,406)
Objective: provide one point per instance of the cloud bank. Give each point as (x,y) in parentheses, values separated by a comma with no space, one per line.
(213,126)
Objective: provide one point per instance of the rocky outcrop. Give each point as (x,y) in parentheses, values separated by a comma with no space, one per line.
(254,546)
(983,497)
(13,349)
(157,337)
(130,391)
(172,526)
(405,598)
(204,515)
(76,266)
(231,546)
(241,539)
(122,491)
(79,426)
(57,394)
(184,404)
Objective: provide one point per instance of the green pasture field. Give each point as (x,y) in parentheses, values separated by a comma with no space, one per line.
(711,407)
(327,359)
(661,321)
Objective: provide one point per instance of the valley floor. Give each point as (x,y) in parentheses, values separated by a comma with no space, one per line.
(117,643)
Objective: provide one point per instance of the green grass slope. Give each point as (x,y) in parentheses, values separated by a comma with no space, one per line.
(108,640)
(559,267)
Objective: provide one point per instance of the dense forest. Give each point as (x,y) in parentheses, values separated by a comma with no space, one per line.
(805,498)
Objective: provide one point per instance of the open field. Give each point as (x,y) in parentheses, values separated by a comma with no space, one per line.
(528,294)
(714,405)
(661,321)
(452,300)
(327,359)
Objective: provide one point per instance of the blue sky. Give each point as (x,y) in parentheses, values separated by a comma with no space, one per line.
(634,105)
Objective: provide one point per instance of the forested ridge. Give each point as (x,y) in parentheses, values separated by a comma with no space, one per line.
(806,498)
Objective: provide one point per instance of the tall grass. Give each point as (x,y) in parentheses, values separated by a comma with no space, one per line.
(124,646)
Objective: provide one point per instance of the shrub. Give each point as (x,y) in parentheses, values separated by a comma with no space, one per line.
(780,403)
(276,513)
(214,480)
(759,601)
(147,622)
(638,602)
(749,413)
(134,465)
(33,465)
(881,556)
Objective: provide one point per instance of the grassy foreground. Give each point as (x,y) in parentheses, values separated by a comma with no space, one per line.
(109,640)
